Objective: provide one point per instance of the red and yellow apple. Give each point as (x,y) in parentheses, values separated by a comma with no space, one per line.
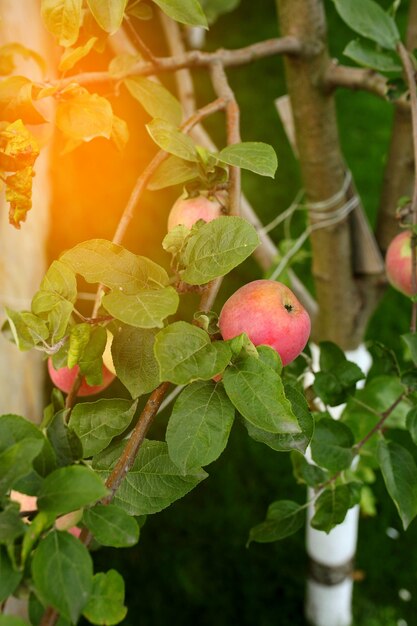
(187,211)
(270,314)
(64,377)
(398,263)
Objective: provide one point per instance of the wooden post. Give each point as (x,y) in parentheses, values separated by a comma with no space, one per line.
(22,252)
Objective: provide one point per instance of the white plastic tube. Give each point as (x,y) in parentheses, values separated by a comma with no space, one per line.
(330,583)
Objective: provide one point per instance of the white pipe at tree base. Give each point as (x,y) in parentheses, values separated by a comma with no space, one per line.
(330,583)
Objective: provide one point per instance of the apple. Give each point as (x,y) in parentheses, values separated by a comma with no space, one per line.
(398,263)
(270,314)
(64,378)
(65,522)
(187,211)
(107,355)
(26,503)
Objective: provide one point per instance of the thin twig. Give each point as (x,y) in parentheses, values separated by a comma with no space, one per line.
(411,81)
(378,426)
(141,45)
(356,448)
(142,181)
(223,90)
(185,86)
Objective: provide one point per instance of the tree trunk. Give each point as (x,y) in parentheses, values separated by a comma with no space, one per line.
(347,284)
(399,171)
(22,252)
(345,299)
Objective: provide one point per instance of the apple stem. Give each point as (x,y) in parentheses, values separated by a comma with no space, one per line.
(412,86)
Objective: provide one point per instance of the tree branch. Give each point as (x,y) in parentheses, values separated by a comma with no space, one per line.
(196,58)
(126,461)
(357,78)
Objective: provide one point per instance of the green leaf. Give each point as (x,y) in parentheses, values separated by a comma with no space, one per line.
(96,423)
(123,64)
(365,54)
(170,139)
(199,426)
(155,99)
(62,571)
(378,394)
(305,472)
(338,376)
(16,462)
(153,483)
(70,488)
(111,526)
(90,360)
(16,102)
(174,240)
(283,519)
(60,283)
(145,309)
(216,248)
(9,577)
(41,522)
(368,19)
(11,525)
(71,56)
(84,116)
(64,441)
(185,353)
(412,423)
(108,13)
(63,19)
(79,338)
(290,441)
(173,171)
(101,261)
(267,354)
(134,360)
(331,508)
(14,428)
(399,471)
(185,11)
(27,329)
(107,597)
(251,155)
(331,446)
(11,620)
(257,392)
(214,8)
(55,299)
(410,340)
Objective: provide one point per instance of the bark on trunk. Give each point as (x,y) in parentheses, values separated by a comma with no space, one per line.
(344,303)
(399,171)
